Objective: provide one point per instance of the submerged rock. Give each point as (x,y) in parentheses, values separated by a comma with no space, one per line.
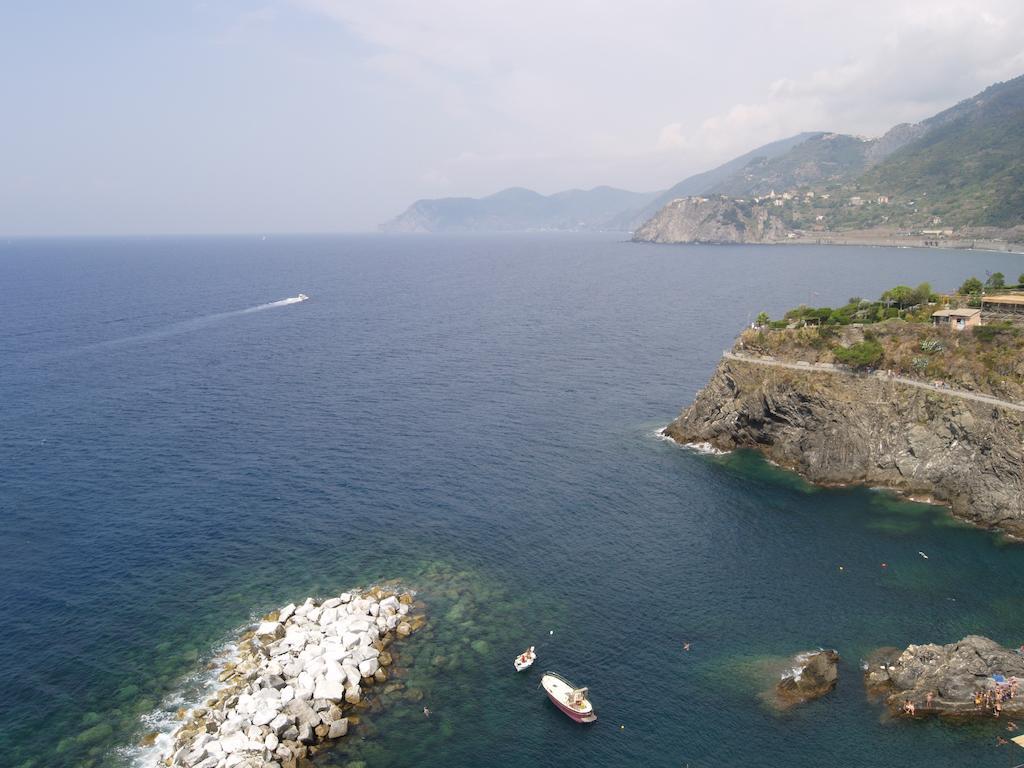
(975,677)
(287,691)
(811,675)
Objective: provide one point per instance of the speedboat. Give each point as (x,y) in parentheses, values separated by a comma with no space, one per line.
(302,297)
(525,659)
(567,697)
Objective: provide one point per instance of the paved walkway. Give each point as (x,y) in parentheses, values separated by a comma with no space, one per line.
(882,375)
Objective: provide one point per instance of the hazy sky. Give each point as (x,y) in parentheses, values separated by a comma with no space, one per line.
(129,116)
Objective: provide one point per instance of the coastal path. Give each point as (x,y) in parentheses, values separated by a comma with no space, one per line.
(884,375)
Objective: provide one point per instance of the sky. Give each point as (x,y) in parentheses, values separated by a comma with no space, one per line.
(179,117)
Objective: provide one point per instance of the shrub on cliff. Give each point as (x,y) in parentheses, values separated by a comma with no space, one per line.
(971,286)
(864,354)
(994,331)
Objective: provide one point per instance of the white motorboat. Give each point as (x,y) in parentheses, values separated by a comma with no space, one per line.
(573,701)
(302,297)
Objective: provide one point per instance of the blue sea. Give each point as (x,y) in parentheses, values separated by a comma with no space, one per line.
(476,418)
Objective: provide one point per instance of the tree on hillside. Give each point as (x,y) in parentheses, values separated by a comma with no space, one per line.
(971,286)
(762,319)
(901,296)
(923,293)
(996,280)
(1020,279)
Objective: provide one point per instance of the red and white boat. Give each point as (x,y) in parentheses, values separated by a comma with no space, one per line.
(567,697)
(525,659)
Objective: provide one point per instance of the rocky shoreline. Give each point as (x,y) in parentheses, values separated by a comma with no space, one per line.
(973,678)
(842,430)
(721,220)
(297,682)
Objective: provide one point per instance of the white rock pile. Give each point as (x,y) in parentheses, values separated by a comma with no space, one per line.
(295,679)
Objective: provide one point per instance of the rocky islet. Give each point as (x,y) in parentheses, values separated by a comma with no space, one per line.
(964,679)
(809,675)
(297,679)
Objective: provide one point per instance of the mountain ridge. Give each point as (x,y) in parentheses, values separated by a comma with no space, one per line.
(487,214)
(960,169)
(953,177)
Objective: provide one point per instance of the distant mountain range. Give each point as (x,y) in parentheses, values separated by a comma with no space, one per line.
(602,208)
(963,167)
(519,209)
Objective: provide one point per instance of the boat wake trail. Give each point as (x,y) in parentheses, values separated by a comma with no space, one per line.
(195,324)
(282,303)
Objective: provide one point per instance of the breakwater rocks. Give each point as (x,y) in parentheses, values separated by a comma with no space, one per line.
(810,675)
(298,679)
(839,429)
(974,677)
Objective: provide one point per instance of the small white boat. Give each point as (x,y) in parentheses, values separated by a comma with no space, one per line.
(302,297)
(525,659)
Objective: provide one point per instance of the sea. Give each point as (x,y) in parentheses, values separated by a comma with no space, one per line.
(475,418)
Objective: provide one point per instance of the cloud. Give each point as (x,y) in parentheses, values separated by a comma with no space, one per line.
(597,86)
(926,57)
(320,114)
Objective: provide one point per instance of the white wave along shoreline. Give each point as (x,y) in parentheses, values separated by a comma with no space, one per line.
(707,448)
(193,690)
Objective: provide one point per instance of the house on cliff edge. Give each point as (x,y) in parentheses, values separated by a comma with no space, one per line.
(958,319)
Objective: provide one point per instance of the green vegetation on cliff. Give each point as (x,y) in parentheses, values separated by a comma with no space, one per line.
(988,359)
(862,354)
(914,305)
(968,168)
(900,302)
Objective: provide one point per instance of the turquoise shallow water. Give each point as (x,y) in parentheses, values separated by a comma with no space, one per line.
(476,417)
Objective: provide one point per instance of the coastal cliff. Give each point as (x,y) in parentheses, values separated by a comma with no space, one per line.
(711,220)
(837,426)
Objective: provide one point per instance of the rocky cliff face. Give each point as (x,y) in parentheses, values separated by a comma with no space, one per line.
(841,429)
(712,220)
